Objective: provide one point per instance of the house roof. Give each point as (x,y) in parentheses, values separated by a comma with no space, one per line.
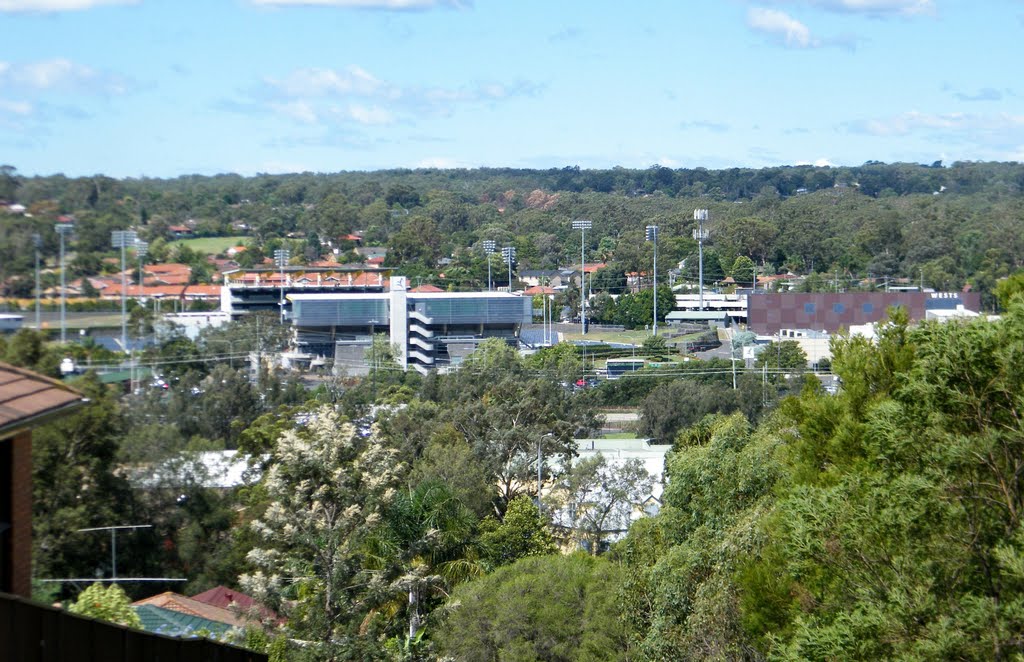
(538,289)
(176,624)
(27,398)
(224,597)
(191,607)
(426,288)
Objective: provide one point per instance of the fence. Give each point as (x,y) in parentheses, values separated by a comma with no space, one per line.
(33,632)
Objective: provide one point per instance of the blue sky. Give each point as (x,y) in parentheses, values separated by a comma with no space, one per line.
(162,88)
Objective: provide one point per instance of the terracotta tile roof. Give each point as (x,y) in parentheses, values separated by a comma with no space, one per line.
(26,396)
(540,290)
(184,605)
(224,597)
(426,288)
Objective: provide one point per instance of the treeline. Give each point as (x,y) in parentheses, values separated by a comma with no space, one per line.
(944,226)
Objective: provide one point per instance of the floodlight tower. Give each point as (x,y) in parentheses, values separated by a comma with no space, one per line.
(63,229)
(141,251)
(281,257)
(508,254)
(123,239)
(37,242)
(652,235)
(700,234)
(489,248)
(583,225)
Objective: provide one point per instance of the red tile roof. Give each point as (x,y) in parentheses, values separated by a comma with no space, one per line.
(224,597)
(426,288)
(540,290)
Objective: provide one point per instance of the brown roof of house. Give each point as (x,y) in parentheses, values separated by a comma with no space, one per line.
(426,288)
(26,398)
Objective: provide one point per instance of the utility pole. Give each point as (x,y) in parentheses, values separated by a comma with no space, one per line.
(583,225)
(652,235)
(700,234)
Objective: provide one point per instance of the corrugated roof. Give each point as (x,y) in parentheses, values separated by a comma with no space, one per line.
(27,397)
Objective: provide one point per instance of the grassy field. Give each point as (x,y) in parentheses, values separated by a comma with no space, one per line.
(210,245)
(634,337)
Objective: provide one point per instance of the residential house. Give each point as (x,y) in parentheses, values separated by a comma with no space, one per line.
(27,400)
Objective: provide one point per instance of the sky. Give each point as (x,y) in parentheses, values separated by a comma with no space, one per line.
(162,88)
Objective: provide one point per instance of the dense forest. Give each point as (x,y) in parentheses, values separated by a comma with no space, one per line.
(945,226)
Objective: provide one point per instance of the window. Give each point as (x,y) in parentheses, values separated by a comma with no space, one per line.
(809,308)
(838,308)
(868,308)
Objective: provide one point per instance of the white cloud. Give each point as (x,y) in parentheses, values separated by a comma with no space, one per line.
(297,110)
(440,162)
(20,108)
(51,6)
(781,27)
(398,5)
(990,135)
(353,94)
(370,115)
(878,7)
(328,82)
(59,74)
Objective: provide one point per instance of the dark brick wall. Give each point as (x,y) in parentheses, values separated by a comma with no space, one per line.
(21,514)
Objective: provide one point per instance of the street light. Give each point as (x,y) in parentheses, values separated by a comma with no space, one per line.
(652,235)
(583,225)
(123,239)
(63,229)
(508,254)
(489,248)
(700,234)
(281,257)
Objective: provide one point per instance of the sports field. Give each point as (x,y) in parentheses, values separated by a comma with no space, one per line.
(211,245)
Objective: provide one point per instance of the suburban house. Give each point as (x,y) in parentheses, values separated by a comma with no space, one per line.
(27,400)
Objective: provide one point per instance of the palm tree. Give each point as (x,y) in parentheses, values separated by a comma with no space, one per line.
(424,550)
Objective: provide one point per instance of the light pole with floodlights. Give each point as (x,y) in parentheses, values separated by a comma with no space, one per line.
(489,248)
(508,254)
(652,235)
(37,242)
(63,229)
(281,257)
(700,234)
(583,225)
(123,239)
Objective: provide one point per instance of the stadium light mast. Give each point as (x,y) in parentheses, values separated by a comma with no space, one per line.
(583,225)
(123,239)
(652,235)
(700,234)
(489,248)
(37,242)
(63,229)
(281,257)
(508,254)
(141,251)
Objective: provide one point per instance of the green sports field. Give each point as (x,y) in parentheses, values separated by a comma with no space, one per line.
(211,245)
